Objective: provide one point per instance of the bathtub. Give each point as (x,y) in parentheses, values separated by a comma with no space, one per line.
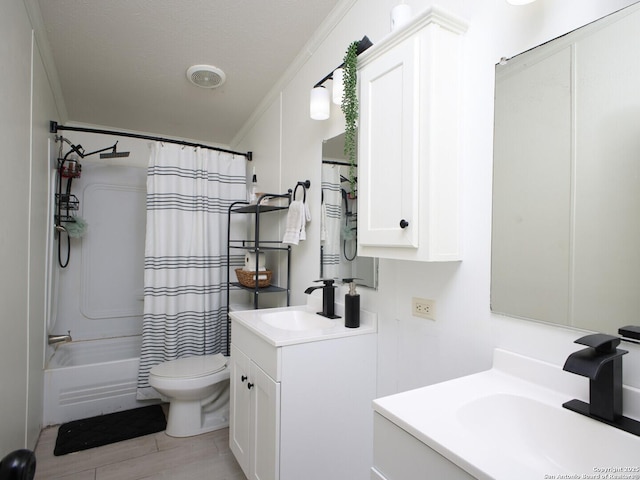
(88,378)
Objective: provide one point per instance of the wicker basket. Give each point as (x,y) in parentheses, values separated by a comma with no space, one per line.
(248,279)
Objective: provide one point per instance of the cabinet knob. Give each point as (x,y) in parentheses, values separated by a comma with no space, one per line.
(243,378)
(249,386)
(404,223)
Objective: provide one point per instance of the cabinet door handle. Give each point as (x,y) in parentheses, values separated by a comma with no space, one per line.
(249,386)
(404,223)
(243,378)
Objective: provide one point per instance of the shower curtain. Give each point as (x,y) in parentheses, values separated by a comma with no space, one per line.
(331,221)
(189,191)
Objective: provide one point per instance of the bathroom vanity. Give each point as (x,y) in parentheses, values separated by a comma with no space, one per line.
(301,393)
(504,423)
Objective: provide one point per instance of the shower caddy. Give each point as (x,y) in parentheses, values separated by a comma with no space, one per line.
(256,244)
(70,168)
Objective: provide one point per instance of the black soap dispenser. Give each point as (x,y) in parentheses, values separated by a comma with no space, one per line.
(351,305)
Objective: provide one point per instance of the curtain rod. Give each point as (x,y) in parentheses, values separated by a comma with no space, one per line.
(333,162)
(54,127)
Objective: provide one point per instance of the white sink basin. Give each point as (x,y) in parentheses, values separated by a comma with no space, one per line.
(508,422)
(300,324)
(540,434)
(297,320)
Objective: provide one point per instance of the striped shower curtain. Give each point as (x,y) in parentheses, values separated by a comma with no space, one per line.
(189,191)
(331,221)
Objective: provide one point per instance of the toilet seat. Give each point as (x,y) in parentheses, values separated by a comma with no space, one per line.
(190,367)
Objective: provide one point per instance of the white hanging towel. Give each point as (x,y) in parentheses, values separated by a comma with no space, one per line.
(297,218)
(307,218)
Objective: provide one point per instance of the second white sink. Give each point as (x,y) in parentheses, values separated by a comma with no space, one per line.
(546,436)
(297,320)
(508,422)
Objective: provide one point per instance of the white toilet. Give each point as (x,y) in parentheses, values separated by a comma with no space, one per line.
(197,389)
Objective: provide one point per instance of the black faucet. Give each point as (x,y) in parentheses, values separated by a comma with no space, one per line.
(601,362)
(328,297)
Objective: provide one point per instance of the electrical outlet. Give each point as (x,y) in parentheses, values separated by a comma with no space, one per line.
(422,307)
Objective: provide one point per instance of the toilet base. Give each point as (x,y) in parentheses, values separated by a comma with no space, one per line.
(187,418)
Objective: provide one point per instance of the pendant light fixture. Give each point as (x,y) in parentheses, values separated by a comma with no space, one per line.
(320,104)
(320,99)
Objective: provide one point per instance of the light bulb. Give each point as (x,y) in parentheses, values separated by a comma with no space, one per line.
(319,105)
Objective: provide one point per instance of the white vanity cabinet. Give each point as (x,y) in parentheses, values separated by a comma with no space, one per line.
(398,455)
(302,410)
(408,192)
(255,418)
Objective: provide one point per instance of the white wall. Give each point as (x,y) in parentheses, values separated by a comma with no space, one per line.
(44,110)
(15,51)
(415,352)
(26,106)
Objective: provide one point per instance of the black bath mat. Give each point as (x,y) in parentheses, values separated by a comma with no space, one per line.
(110,428)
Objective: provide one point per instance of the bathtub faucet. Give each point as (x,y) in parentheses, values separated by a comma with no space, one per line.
(55,339)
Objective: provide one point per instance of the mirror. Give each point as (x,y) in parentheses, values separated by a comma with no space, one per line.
(338,243)
(566,191)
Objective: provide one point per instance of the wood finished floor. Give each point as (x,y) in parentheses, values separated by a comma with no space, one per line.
(155,456)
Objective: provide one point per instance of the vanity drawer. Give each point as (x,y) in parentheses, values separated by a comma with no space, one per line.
(266,356)
(397,455)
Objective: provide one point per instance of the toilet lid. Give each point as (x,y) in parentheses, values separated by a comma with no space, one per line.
(191,367)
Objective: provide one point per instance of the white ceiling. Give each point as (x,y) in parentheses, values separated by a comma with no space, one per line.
(122,63)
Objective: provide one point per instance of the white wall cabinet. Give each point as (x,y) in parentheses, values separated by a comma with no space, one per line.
(408,186)
(302,411)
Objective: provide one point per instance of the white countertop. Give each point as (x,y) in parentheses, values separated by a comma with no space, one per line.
(508,422)
(277,337)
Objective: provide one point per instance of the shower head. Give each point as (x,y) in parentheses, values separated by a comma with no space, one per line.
(114,153)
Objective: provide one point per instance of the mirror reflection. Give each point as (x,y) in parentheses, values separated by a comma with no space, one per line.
(566,199)
(338,242)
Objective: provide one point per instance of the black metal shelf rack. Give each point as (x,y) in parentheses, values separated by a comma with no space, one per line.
(265,204)
(256,245)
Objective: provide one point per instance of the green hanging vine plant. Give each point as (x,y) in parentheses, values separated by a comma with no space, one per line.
(350,109)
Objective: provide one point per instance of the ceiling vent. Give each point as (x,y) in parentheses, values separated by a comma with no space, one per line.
(206,76)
